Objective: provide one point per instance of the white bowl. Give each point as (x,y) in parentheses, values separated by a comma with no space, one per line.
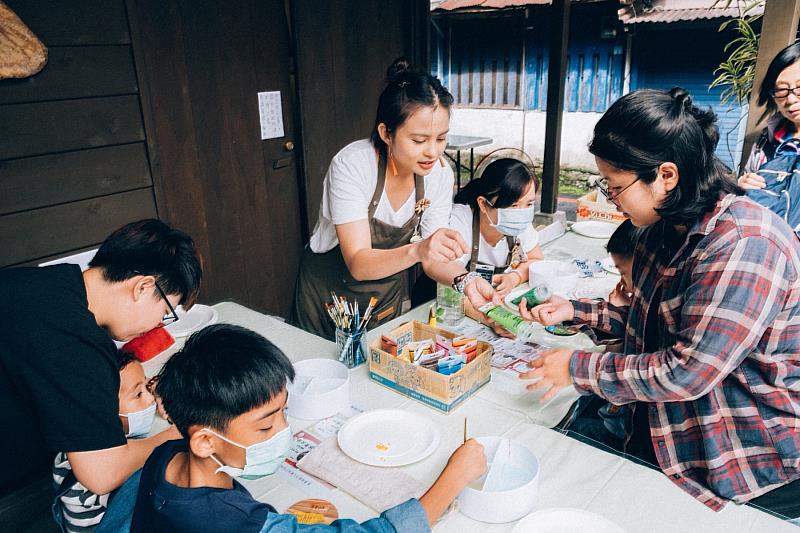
(321,388)
(560,276)
(514,483)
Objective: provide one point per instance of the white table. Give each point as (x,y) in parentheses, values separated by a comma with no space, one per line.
(464,142)
(573,474)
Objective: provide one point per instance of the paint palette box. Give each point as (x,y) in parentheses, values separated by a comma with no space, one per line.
(439,391)
(589,208)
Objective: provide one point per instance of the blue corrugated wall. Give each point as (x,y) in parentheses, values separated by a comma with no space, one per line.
(665,56)
(595,65)
(480,60)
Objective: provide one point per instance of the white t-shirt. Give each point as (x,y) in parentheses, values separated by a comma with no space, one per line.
(461,221)
(347,192)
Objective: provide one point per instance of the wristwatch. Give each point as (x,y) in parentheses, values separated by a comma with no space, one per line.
(461,281)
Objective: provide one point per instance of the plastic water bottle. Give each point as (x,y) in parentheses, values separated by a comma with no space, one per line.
(523,329)
(525,332)
(535,296)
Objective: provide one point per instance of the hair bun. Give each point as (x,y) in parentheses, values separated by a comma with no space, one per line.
(681,97)
(398,69)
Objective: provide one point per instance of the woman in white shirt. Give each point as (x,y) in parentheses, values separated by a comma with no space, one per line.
(494,214)
(385,207)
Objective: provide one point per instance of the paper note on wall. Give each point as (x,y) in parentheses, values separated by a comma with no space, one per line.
(271,114)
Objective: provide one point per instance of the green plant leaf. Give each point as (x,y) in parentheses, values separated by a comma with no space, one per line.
(735,74)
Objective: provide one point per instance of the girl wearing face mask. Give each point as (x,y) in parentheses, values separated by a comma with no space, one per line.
(494,215)
(75,507)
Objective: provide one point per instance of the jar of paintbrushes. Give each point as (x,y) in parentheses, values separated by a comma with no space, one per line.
(351,326)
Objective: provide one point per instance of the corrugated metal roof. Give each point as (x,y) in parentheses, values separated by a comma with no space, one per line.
(657,11)
(666,11)
(452,5)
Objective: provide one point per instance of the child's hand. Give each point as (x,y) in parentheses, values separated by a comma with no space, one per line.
(503,283)
(468,462)
(151,388)
(620,296)
(554,311)
(160,410)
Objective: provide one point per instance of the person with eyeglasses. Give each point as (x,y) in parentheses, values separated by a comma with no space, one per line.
(780,93)
(59,373)
(710,361)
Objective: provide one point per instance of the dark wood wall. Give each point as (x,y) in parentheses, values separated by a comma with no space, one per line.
(201,64)
(73,158)
(149,108)
(343,49)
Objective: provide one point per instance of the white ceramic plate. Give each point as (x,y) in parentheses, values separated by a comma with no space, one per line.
(609,266)
(388,437)
(594,229)
(198,317)
(565,520)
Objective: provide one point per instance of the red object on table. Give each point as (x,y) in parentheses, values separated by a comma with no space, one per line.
(150,344)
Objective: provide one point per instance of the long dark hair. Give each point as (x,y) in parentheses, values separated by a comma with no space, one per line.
(785,58)
(406,90)
(646,128)
(505,180)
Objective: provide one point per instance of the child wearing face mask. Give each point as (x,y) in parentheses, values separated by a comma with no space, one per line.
(494,215)
(226,393)
(76,509)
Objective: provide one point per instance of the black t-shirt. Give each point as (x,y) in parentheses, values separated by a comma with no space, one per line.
(162,506)
(59,380)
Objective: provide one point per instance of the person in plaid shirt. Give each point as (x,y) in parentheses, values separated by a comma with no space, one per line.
(710,362)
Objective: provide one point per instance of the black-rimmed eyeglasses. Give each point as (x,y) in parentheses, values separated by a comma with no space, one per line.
(783,92)
(602,186)
(172,316)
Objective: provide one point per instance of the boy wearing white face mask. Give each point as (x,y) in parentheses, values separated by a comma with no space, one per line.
(494,214)
(76,508)
(226,393)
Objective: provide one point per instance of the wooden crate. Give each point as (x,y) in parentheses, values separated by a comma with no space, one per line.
(442,392)
(588,208)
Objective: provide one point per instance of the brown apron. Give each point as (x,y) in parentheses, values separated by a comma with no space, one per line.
(322,273)
(512,242)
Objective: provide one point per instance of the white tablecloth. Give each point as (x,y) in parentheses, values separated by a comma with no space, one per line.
(573,474)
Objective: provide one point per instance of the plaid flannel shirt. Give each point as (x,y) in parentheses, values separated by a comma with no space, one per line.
(723,386)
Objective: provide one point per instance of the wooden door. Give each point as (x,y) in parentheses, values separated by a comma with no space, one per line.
(343,49)
(201,65)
